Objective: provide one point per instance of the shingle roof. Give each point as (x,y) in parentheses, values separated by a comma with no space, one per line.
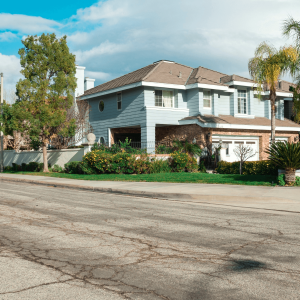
(129,78)
(258,121)
(174,73)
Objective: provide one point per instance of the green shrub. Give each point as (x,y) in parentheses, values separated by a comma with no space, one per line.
(73,167)
(24,167)
(32,167)
(262,167)
(297,181)
(202,168)
(281,180)
(57,169)
(8,168)
(160,166)
(163,149)
(182,162)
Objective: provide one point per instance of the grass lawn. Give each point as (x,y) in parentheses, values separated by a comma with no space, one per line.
(266,180)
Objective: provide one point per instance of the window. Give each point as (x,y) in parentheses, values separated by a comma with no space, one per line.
(119,101)
(206,99)
(102,141)
(101,105)
(163,98)
(242,102)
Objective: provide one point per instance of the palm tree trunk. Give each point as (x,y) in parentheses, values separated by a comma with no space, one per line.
(273,126)
(45,158)
(290,176)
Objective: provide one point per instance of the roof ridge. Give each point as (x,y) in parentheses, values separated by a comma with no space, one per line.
(212,70)
(218,83)
(145,77)
(119,77)
(183,65)
(189,76)
(243,77)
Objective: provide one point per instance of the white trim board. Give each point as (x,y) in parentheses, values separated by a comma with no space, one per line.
(236,126)
(166,108)
(159,85)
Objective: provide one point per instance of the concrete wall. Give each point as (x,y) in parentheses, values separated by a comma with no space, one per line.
(55,157)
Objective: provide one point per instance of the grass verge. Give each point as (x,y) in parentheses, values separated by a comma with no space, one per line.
(265,180)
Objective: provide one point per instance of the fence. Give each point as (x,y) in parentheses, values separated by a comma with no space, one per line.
(55,157)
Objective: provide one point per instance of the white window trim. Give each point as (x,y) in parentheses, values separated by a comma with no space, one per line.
(241,114)
(119,93)
(173,99)
(204,107)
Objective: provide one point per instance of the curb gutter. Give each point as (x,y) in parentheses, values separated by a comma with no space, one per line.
(174,196)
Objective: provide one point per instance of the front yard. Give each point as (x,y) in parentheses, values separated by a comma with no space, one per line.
(265,180)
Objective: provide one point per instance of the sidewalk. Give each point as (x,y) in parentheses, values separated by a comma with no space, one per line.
(275,198)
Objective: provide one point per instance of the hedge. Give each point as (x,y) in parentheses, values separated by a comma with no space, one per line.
(262,167)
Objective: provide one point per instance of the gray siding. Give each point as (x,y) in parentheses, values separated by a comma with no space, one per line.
(224,104)
(164,116)
(132,113)
(258,107)
(195,99)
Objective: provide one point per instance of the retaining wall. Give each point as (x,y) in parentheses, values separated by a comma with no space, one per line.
(55,157)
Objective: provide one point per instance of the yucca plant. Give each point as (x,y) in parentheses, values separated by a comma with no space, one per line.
(286,156)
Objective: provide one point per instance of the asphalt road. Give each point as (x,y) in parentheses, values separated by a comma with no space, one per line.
(65,244)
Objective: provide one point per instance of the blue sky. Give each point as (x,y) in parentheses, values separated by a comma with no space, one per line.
(113,37)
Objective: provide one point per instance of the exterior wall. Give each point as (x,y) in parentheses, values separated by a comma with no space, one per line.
(224,103)
(55,157)
(133,112)
(168,134)
(264,137)
(258,107)
(195,101)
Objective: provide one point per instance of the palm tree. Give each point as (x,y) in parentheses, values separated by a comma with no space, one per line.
(266,68)
(286,155)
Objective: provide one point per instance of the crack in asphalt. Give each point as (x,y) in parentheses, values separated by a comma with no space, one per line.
(119,249)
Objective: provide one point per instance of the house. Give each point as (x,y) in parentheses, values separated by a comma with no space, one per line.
(167,100)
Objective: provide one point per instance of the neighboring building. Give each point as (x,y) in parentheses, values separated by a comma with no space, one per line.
(166,100)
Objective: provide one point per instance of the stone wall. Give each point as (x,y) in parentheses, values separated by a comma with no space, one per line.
(167,134)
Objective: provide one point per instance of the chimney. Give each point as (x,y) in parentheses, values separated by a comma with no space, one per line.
(88,83)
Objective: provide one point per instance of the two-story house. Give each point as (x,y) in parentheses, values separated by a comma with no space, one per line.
(166,101)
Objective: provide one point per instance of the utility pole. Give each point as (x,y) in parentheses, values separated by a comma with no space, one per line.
(2,148)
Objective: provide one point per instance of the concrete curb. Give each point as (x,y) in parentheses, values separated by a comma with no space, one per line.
(174,196)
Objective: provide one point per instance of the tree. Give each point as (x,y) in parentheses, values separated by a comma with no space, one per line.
(291,27)
(266,68)
(191,149)
(286,155)
(47,91)
(243,153)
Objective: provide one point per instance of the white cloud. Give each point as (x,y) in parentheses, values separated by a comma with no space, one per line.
(7,36)
(26,24)
(103,10)
(10,67)
(98,75)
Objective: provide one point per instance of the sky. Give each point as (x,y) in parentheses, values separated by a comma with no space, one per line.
(113,37)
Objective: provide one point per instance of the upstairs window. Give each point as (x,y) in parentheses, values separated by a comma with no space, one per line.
(119,101)
(164,98)
(206,99)
(242,102)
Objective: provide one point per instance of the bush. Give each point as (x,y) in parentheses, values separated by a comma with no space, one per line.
(202,168)
(32,167)
(160,166)
(73,167)
(163,149)
(263,167)
(99,162)
(281,180)
(57,169)
(182,162)
(8,168)
(16,167)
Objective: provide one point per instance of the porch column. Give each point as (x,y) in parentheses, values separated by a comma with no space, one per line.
(148,138)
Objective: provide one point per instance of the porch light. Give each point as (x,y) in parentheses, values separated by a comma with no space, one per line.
(220,142)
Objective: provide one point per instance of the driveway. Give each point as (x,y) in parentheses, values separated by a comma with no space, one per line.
(57,243)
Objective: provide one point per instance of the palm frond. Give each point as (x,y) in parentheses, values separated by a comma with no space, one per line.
(291,27)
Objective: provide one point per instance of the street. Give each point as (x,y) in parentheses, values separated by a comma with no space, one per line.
(60,243)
